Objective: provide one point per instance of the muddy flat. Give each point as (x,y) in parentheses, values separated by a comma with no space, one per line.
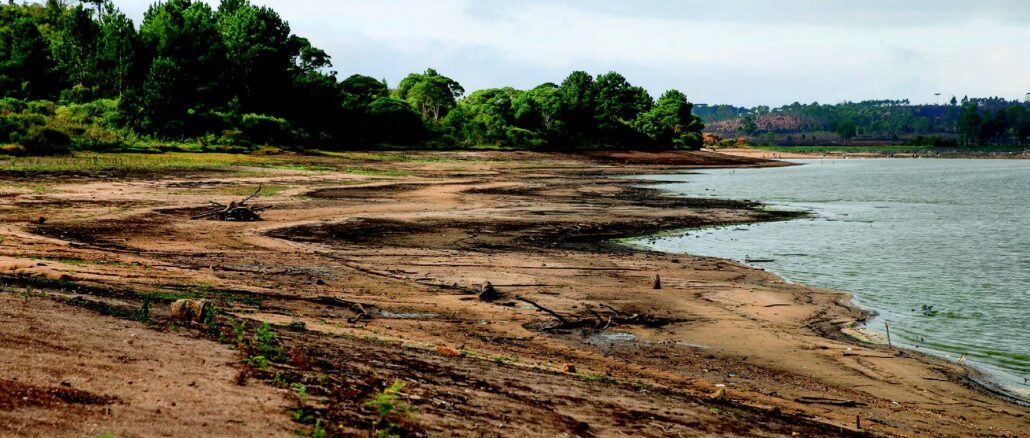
(443,294)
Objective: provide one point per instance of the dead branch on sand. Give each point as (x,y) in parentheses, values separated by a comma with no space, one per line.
(560,318)
(236,211)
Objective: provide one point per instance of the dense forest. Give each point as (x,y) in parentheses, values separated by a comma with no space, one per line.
(82,76)
(969,121)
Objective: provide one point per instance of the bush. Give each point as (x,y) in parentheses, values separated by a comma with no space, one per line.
(42,140)
(523,138)
(13,127)
(41,107)
(102,112)
(265,129)
(10,105)
(8,125)
(77,94)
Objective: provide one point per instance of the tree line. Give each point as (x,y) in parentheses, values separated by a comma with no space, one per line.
(84,76)
(966,121)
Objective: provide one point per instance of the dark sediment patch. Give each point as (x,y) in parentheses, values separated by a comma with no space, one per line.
(364,191)
(107,233)
(15,395)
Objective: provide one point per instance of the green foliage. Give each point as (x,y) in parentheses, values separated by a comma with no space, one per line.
(431,93)
(267,342)
(388,403)
(143,313)
(671,124)
(394,121)
(969,123)
(318,431)
(42,140)
(258,362)
(265,129)
(847,129)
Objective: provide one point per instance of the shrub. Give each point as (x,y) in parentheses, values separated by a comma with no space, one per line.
(10,105)
(102,112)
(265,129)
(41,107)
(77,94)
(42,140)
(8,125)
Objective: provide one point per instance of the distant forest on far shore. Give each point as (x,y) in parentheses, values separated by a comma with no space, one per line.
(81,76)
(958,122)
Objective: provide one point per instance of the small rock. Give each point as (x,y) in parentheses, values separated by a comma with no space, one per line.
(569,368)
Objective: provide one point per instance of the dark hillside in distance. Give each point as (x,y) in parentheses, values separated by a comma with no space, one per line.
(965,122)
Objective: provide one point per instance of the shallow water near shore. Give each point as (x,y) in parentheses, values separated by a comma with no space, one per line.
(939,249)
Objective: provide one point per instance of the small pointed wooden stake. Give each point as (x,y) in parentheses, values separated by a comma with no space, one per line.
(888,335)
(657,281)
(858,422)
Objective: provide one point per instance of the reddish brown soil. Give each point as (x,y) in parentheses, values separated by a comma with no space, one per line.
(370,284)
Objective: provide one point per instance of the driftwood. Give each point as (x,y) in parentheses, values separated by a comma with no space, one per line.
(599,321)
(560,318)
(361,312)
(237,211)
(826,401)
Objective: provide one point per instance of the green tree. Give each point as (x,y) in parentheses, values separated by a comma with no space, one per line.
(431,93)
(847,129)
(539,108)
(259,55)
(969,123)
(359,91)
(577,97)
(618,101)
(749,125)
(670,123)
(180,38)
(1019,116)
(617,105)
(488,115)
(395,122)
(75,46)
(116,51)
(27,70)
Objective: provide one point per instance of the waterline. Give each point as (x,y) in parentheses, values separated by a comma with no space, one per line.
(938,248)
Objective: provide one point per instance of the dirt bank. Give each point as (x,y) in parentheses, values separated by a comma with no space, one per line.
(373,279)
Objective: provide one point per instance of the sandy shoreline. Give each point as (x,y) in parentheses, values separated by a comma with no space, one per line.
(414,250)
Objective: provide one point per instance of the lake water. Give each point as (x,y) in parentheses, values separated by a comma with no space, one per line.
(898,234)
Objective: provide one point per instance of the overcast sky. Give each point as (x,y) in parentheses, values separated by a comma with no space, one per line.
(742,52)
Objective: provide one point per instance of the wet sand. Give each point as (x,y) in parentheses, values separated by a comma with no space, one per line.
(374,279)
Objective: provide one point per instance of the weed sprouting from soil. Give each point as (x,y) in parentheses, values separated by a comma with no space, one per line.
(143,313)
(386,403)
